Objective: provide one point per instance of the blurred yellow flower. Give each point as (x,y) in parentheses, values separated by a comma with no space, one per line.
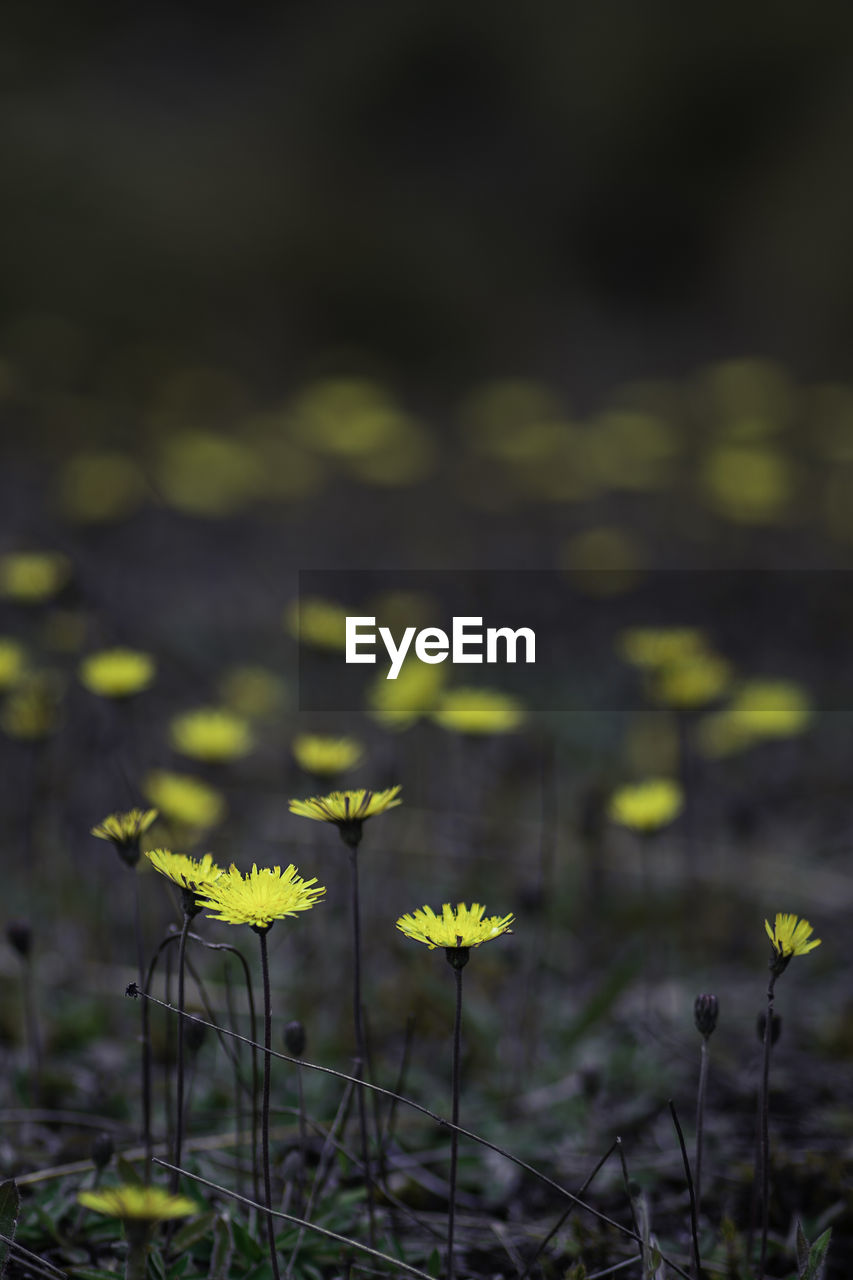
(125,828)
(771,708)
(211,733)
(748,485)
(137,1203)
(397,704)
(478,711)
(791,936)
(117,673)
(660,646)
(647,806)
(253,691)
(194,874)
(345,417)
(96,488)
(29,577)
(325,756)
(31,708)
(13,661)
(720,734)
(691,683)
(633,449)
(207,474)
(748,398)
(260,897)
(318,623)
(604,560)
(462,927)
(185,799)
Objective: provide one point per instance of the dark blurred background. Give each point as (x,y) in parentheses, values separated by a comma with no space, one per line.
(450,191)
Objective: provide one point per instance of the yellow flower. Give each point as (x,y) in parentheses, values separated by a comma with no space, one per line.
(397,704)
(31,709)
(464,927)
(479,711)
(96,488)
(195,874)
(32,576)
(12,661)
(692,682)
(660,646)
(137,1203)
(748,484)
(318,623)
(790,936)
(253,692)
(343,807)
(771,708)
(260,897)
(117,673)
(124,829)
(321,755)
(647,806)
(182,798)
(211,733)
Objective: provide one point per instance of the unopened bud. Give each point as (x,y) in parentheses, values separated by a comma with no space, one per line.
(705,1012)
(102,1150)
(20,936)
(294,1038)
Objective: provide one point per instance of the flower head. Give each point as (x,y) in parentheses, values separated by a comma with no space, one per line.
(137,1203)
(652,647)
(13,661)
(31,710)
(30,577)
(347,809)
(317,623)
(790,936)
(647,806)
(462,927)
(478,711)
(183,798)
(123,830)
(195,874)
(325,756)
(691,682)
(212,734)
(117,673)
(260,897)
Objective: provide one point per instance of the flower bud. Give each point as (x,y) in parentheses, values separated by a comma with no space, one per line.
(705,1012)
(102,1150)
(294,1038)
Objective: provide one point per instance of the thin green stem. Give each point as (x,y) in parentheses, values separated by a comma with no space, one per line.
(144,1030)
(179,1117)
(360,1046)
(454,1138)
(265,1120)
(765,1126)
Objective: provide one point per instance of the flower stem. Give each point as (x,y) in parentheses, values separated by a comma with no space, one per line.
(144,1029)
(179,1106)
(360,1047)
(700,1120)
(765,1135)
(138,1238)
(454,1139)
(265,1120)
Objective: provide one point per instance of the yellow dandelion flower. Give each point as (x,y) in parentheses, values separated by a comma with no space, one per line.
(212,734)
(646,806)
(30,577)
(324,756)
(195,874)
(342,807)
(790,936)
(478,711)
(462,927)
(13,661)
(651,647)
(117,673)
(260,897)
(317,623)
(124,829)
(137,1203)
(185,799)
(748,484)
